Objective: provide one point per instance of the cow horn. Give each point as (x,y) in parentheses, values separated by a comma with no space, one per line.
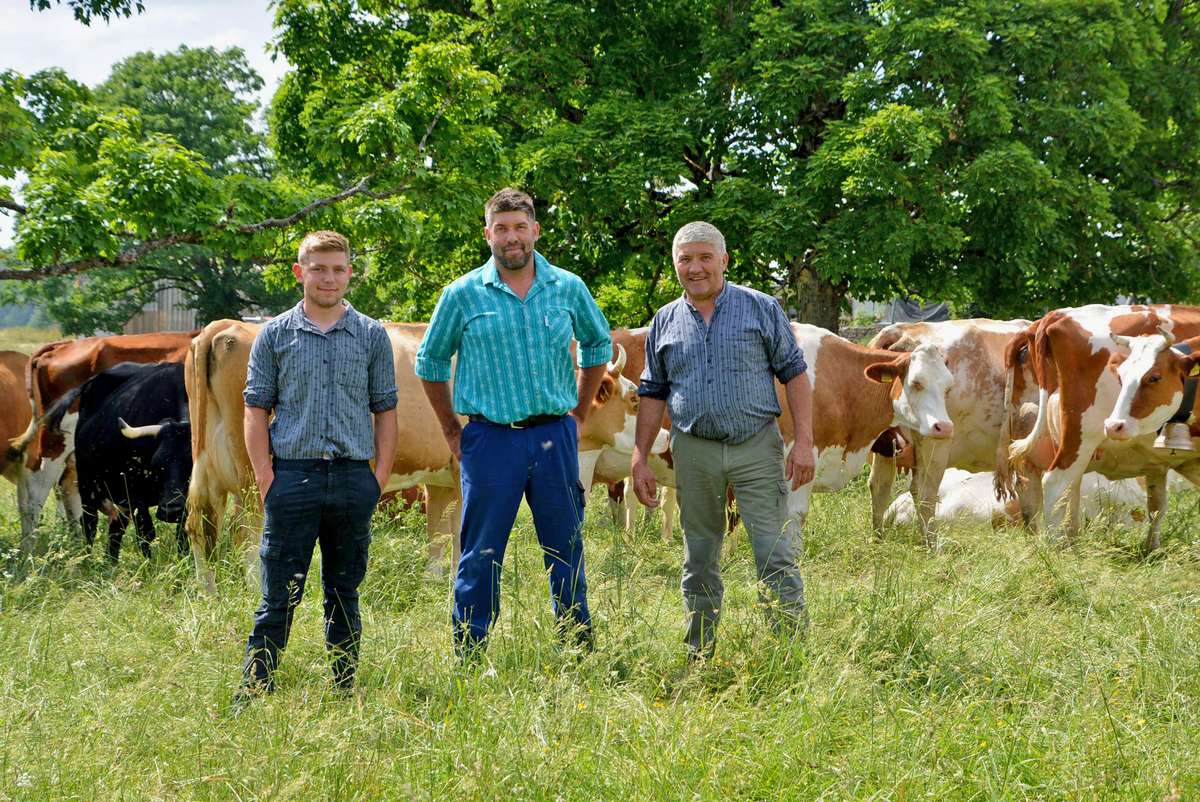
(1121,340)
(618,365)
(1166,333)
(134,432)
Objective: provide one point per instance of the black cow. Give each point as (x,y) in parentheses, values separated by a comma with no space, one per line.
(133,449)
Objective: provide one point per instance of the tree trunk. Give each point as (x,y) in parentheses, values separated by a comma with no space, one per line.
(817,300)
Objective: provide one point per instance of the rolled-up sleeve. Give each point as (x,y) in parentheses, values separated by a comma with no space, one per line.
(654,383)
(787,360)
(381,373)
(441,339)
(591,330)
(262,372)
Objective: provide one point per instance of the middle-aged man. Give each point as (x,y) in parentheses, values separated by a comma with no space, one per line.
(713,355)
(326,370)
(510,322)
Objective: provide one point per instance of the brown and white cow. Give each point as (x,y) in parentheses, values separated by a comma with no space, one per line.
(858,393)
(974,352)
(1152,378)
(52,371)
(15,415)
(1069,351)
(216,375)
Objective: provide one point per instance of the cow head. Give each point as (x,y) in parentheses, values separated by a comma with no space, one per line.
(171,462)
(1152,378)
(613,418)
(919,381)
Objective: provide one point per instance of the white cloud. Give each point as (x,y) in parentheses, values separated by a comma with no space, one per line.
(35,40)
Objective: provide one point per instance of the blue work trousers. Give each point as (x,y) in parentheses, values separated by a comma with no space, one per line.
(500,465)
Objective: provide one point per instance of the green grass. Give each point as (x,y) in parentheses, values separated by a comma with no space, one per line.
(998,668)
(25,338)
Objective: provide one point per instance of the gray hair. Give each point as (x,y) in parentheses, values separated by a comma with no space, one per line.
(698,231)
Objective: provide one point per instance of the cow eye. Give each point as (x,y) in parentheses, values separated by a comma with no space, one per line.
(917,387)
(1153,378)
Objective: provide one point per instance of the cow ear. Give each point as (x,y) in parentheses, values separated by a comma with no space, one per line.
(1116,359)
(605,390)
(1191,365)
(887,372)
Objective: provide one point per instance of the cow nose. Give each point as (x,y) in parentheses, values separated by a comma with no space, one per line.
(942,429)
(1116,429)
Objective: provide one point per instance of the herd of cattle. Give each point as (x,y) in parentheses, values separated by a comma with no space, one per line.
(124,423)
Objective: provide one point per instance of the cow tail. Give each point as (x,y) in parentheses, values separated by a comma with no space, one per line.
(195,383)
(1040,359)
(1002,478)
(54,415)
(19,445)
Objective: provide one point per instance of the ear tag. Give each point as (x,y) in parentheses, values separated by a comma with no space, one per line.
(1195,370)
(887,378)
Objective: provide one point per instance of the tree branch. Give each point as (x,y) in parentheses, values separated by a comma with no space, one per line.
(9,203)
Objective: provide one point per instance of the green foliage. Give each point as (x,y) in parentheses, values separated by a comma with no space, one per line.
(87,10)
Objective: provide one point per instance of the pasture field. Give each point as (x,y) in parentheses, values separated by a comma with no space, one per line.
(997,668)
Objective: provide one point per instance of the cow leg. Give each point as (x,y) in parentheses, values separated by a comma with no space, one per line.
(1156,505)
(1074,505)
(204,515)
(69,500)
(32,490)
(145,529)
(88,522)
(930,467)
(883,477)
(618,505)
(443,520)
(1056,484)
(116,532)
(587,467)
(668,507)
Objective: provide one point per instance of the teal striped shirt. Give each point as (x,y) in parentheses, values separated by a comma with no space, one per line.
(514,357)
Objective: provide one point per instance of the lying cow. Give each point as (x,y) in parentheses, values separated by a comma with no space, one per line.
(132,467)
(963,495)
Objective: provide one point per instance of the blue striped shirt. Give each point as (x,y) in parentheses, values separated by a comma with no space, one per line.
(514,357)
(322,385)
(719,379)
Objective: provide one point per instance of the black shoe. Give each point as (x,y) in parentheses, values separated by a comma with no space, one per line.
(247,693)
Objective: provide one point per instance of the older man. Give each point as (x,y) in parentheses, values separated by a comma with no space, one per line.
(713,355)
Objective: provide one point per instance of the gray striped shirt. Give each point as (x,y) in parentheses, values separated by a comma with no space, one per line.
(323,385)
(719,379)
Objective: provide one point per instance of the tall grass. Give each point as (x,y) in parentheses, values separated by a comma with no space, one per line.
(998,668)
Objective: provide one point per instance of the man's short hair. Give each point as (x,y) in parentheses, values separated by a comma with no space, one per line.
(322,242)
(698,231)
(508,200)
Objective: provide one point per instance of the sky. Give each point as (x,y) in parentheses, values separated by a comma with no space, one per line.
(34,40)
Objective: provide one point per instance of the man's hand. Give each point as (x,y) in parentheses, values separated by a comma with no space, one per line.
(799,466)
(644,484)
(264,480)
(578,416)
(382,476)
(454,440)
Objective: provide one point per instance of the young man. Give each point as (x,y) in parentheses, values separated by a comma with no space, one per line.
(326,371)
(511,322)
(713,355)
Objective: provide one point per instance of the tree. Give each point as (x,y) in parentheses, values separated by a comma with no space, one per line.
(87,10)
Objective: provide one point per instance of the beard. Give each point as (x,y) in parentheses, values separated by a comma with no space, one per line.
(518,258)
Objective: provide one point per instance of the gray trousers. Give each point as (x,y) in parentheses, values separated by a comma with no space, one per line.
(754,468)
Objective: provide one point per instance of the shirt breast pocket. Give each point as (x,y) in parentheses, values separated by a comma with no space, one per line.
(747,352)
(482,330)
(352,370)
(560,327)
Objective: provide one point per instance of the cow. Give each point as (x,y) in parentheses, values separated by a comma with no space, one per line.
(1069,351)
(15,416)
(974,351)
(53,370)
(858,393)
(964,495)
(215,373)
(131,467)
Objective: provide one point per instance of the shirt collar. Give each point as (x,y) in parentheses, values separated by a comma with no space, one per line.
(348,321)
(543,273)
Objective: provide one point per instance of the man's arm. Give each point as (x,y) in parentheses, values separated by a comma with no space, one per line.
(589,383)
(385,445)
(256,430)
(438,394)
(799,467)
(649,421)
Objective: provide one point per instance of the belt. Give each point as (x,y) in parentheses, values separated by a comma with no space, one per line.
(532,420)
(316,463)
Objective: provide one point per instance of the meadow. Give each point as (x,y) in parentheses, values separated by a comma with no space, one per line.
(998,668)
